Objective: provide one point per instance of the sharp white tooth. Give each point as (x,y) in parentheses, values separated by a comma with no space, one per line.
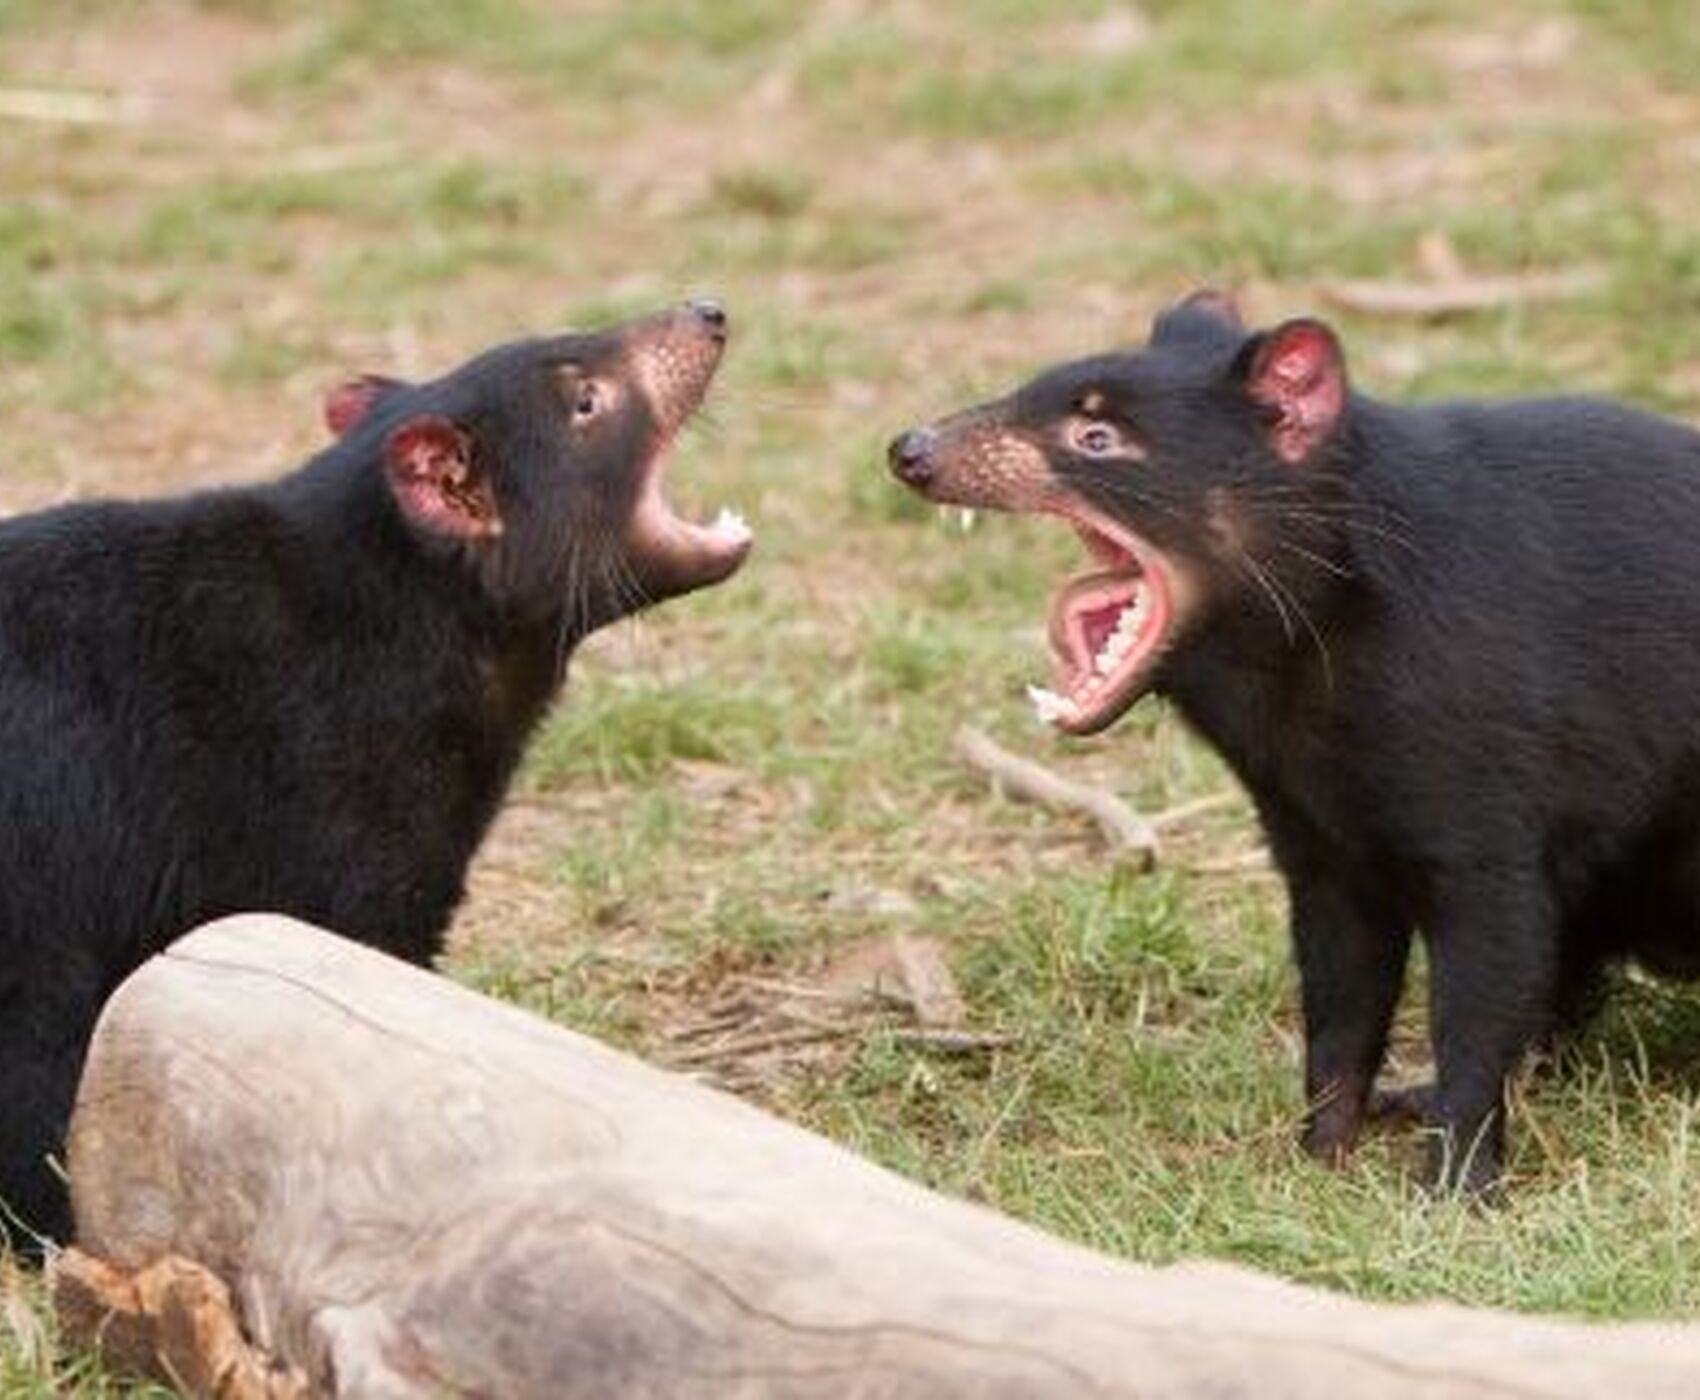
(1048,706)
(966,518)
(730,521)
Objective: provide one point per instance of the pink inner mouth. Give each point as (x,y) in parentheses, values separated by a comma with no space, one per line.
(688,553)
(1107,628)
(712,550)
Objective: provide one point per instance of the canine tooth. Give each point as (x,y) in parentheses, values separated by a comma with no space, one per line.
(1044,703)
(965,518)
(1048,706)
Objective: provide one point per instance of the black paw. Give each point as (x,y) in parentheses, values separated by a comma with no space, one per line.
(1398,1107)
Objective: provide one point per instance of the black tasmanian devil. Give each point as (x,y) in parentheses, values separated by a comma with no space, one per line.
(309,696)
(1453,652)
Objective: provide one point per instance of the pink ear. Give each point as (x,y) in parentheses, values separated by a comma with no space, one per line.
(351,400)
(436,483)
(1298,374)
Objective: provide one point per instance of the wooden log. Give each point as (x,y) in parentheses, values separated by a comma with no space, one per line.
(412,1190)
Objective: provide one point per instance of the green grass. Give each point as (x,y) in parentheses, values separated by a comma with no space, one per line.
(905,209)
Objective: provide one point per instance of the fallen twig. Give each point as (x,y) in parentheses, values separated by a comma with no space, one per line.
(796,1016)
(1243,863)
(758,1044)
(1197,807)
(1464,294)
(68,108)
(334,159)
(1126,831)
(855,996)
(712,1025)
(732,1081)
(955,1042)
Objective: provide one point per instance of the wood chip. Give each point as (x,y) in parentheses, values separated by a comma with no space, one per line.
(171,1321)
(928,982)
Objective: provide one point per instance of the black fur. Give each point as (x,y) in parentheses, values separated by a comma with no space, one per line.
(1453,652)
(294,697)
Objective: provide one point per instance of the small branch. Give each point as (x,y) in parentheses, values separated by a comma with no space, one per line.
(757,1044)
(798,991)
(1423,300)
(1197,807)
(50,105)
(334,159)
(1244,863)
(713,1025)
(952,1042)
(1125,830)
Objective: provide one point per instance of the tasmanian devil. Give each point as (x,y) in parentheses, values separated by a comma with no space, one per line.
(308,696)
(1452,651)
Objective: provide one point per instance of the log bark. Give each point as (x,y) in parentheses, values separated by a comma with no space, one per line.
(412,1190)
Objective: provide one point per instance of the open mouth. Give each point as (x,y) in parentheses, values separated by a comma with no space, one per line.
(680,553)
(691,555)
(1108,628)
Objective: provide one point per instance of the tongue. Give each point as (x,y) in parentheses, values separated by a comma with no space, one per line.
(1088,613)
(1099,624)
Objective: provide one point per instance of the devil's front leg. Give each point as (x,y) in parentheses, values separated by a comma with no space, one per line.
(1494,977)
(1351,949)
